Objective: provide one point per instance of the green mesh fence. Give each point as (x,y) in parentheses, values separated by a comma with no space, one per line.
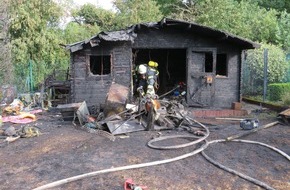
(252,86)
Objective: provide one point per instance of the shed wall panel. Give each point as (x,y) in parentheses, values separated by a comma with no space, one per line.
(94,88)
(228,88)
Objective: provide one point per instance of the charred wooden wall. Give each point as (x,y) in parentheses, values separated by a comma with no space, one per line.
(227,89)
(94,88)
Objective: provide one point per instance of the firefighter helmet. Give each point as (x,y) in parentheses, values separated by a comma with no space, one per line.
(142,69)
(153,64)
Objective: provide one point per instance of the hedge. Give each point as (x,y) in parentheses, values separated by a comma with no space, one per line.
(277,90)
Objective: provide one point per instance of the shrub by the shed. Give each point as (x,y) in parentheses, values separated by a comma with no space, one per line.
(277,90)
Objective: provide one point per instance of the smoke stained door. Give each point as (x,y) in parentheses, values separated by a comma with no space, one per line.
(201,69)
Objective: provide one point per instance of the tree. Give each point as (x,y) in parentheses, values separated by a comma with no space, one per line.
(167,7)
(243,19)
(77,32)
(35,38)
(89,19)
(279,5)
(277,67)
(283,32)
(90,14)
(6,69)
(136,11)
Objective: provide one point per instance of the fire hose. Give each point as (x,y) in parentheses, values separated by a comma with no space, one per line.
(135,166)
(255,181)
(154,163)
(196,151)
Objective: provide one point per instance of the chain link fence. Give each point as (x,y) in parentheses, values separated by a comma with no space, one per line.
(253,85)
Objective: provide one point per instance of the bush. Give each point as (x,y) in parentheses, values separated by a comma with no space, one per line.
(278,90)
(253,69)
(277,63)
(286,99)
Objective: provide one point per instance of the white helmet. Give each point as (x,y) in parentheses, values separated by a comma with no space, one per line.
(142,69)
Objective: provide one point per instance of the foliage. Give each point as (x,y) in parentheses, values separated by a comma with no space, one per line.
(6,70)
(279,5)
(91,15)
(76,32)
(286,99)
(168,7)
(136,11)
(277,64)
(35,36)
(128,12)
(242,19)
(278,90)
(283,32)
(253,68)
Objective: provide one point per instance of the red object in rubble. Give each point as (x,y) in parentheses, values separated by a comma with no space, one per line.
(130,185)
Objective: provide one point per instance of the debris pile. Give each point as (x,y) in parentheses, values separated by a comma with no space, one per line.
(147,114)
(10,134)
(17,115)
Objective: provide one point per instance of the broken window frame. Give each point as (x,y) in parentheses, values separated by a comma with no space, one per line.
(104,65)
(224,63)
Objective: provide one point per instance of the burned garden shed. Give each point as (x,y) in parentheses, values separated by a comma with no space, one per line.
(207,60)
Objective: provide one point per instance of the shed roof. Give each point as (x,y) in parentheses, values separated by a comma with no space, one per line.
(130,33)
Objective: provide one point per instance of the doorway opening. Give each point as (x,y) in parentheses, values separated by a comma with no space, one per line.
(171,65)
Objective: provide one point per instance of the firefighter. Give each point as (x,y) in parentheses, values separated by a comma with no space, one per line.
(146,78)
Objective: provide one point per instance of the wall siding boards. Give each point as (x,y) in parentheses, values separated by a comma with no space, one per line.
(94,89)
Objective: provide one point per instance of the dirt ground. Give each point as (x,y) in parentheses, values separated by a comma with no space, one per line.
(64,151)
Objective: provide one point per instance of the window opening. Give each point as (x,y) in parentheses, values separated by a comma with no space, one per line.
(221,65)
(100,65)
(208,67)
